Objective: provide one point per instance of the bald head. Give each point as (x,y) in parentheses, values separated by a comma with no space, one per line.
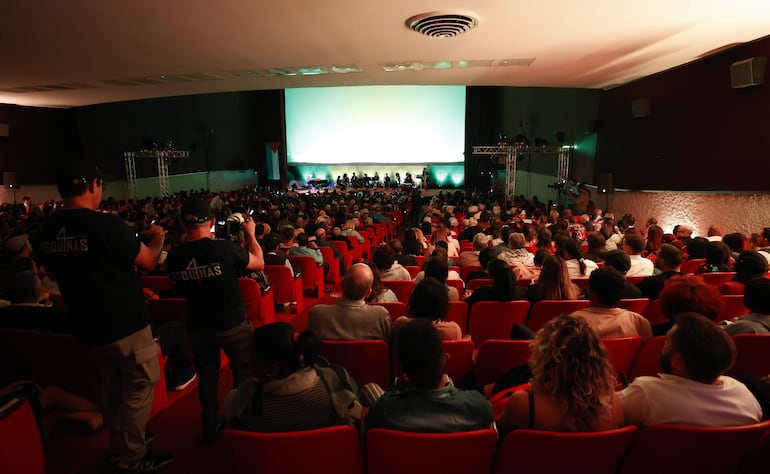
(358,281)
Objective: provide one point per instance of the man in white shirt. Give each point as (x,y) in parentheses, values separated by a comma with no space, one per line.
(633,245)
(692,390)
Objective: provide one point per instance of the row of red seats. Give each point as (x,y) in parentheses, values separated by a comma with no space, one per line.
(479,364)
(629,450)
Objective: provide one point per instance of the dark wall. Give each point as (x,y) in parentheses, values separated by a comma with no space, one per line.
(221,131)
(38,139)
(548,116)
(700,133)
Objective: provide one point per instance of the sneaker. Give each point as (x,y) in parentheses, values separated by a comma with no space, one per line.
(150,463)
(183,383)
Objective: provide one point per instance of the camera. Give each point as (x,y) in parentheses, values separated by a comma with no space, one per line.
(230,228)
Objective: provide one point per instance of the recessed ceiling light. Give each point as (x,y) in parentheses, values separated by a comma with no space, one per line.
(513,62)
(346,69)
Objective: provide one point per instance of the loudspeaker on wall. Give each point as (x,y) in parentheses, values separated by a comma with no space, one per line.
(9,179)
(747,73)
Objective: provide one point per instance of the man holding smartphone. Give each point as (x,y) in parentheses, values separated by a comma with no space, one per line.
(207,271)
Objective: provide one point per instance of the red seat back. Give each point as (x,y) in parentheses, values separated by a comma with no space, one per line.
(534,451)
(467,270)
(690,266)
(21,446)
(259,308)
(334,264)
(458,285)
(686,449)
(458,312)
(545,310)
(346,253)
(335,449)
(622,351)
(413,270)
(717,278)
(637,305)
(732,288)
(733,307)
(753,355)
(312,273)
(477,282)
(157,283)
(366,361)
(286,287)
(647,360)
(468,452)
(494,319)
(496,357)
(654,314)
(402,288)
(459,360)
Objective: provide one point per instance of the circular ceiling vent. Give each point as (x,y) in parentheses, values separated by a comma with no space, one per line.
(441,24)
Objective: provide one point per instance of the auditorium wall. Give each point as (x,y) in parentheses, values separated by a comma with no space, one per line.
(692,131)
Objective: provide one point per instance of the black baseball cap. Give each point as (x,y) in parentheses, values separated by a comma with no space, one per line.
(74,174)
(195,211)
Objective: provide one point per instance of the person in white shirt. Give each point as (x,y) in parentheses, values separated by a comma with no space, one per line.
(633,245)
(692,390)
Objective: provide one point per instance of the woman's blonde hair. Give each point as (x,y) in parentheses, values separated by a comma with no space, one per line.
(570,364)
(555,281)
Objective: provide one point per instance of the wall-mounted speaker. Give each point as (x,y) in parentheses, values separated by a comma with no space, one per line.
(4,130)
(9,179)
(747,73)
(640,108)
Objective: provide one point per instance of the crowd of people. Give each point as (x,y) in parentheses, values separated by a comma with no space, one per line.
(83,251)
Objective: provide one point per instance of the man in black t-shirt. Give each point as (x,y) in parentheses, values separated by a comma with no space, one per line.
(91,255)
(207,271)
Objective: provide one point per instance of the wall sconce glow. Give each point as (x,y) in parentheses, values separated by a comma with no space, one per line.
(458,178)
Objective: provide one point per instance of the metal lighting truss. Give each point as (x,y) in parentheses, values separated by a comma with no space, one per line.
(512,153)
(162,156)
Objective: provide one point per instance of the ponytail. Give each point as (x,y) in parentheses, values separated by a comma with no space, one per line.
(308,347)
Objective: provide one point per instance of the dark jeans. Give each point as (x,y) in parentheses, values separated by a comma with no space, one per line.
(236,342)
(173,343)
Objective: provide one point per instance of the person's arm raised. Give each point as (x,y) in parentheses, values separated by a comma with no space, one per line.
(256,259)
(148,255)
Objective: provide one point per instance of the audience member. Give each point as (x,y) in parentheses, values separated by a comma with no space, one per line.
(633,245)
(717,258)
(486,255)
(687,293)
(553,283)
(577,266)
(350,317)
(471,257)
(384,259)
(292,392)
(667,262)
(692,389)
(757,299)
(620,261)
(430,300)
(423,398)
(402,258)
(605,288)
(503,287)
(379,293)
(572,386)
